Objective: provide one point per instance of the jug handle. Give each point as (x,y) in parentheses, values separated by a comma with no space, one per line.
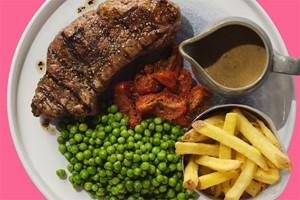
(286,65)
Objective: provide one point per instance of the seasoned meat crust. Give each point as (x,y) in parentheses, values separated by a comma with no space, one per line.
(84,56)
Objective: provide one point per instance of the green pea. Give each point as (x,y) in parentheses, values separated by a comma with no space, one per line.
(103,154)
(166,126)
(157,120)
(124,134)
(144,157)
(74,149)
(88,186)
(162,166)
(60,140)
(145,166)
(161,155)
(121,140)
(61,173)
(74,129)
(139,128)
(137,184)
(175,130)
(152,169)
(151,126)
(113,109)
(101,135)
(108,166)
(116,132)
(147,132)
(117,165)
(82,127)
(118,116)
(164,145)
(158,128)
(137,171)
(113,139)
(170,193)
(156,150)
(108,129)
(124,122)
(144,124)
(84,174)
(129,185)
(92,170)
(130,173)
(112,158)
(111,150)
(62,148)
(162,188)
(136,158)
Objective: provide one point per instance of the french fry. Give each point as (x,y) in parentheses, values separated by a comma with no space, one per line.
(269,176)
(254,188)
(197,148)
(242,181)
(240,157)
(229,127)
(217,120)
(268,133)
(223,165)
(190,180)
(231,141)
(263,128)
(259,141)
(193,136)
(214,178)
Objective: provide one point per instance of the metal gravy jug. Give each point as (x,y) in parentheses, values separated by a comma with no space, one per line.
(235,57)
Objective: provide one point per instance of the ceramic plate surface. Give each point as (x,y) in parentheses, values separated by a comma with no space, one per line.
(37,148)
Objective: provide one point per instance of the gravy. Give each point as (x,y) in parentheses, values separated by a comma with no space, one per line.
(234,56)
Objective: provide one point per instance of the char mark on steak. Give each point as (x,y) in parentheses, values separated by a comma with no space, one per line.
(85,55)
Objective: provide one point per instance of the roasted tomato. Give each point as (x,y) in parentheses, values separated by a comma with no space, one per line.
(146,103)
(167,78)
(184,83)
(198,100)
(144,81)
(170,105)
(165,104)
(125,96)
(166,71)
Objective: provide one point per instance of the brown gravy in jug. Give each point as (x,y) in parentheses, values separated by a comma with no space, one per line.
(234,56)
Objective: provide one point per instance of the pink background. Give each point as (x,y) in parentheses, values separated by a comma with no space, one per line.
(14,17)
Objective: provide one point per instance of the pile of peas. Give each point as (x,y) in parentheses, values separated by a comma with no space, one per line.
(110,161)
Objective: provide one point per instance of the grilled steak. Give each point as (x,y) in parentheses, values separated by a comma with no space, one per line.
(84,56)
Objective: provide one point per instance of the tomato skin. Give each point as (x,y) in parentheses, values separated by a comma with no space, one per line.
(198,100)
(167,78)
(184,83)
(146,84)
(166,71)
(164,104)
(170,105)
(124,97)
(144,81)
(146,103)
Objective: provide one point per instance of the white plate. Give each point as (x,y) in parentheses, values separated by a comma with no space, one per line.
(38,150)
